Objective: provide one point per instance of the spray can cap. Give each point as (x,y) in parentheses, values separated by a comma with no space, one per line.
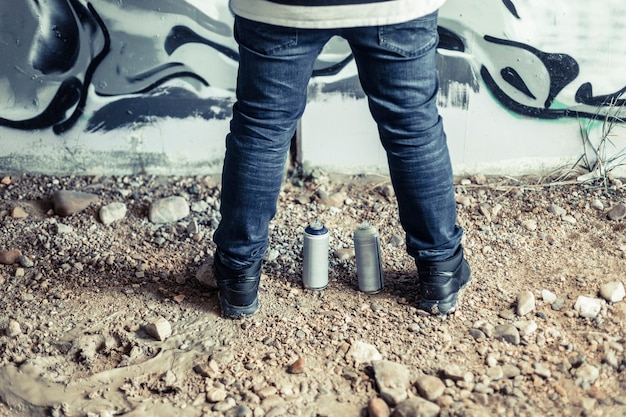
(365,225)
(316,228)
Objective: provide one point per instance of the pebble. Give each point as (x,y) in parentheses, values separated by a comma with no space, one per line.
(26,262)
(160,329)
(18,213)
(10,257)
(112,212)
(377,407)
(507,333)
(13,329)
(168,210)
(239,411)
(525,303)
(556,210)
(495,373)
(297,367)
(542,370)
(588,307)
(455,372)
(530,225)
(613,291)
(525,327)
(586,374)
(617,212)
(510,371)
(416,407)
(5,180)
(596,204)
(548,296)
(430,387)
(393,380)
(63,229)
(215,395)
(361,352)
(66,203)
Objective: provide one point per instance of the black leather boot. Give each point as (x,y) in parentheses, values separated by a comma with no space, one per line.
(238,289)
(441,281)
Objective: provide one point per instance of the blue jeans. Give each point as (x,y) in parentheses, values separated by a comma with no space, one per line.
(396,66)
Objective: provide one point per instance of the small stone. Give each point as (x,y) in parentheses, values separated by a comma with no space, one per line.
(525,327)
(596,204)
(362,352)
(495,373)
(507,333)
(569,219)
(215,395)
(464,200)
(26,262)
(558,304)
(588,307)
(556,210)
(618,212)
(456,373)
(14,329)
(297,367)
(63,229)
(485,327)
(525,303)
(530,225)
(66,203)
(168,210)
(430,387)
(10,257)
(393,381)
(416,407)
(510,371)
(586,374)
(542,370)
(267,391)
(613,291)
(377,407)
(160,329)
(548,296)
(5,180)
(112,212)
(18,213)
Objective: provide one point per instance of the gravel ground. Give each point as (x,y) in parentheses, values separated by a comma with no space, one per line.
(104,314)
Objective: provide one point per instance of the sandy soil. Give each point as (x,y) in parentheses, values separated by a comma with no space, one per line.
(75,335)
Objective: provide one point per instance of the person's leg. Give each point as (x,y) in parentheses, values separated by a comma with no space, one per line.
(274,70)
(397,70)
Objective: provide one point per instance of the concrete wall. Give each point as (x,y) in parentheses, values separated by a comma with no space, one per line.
(117,87)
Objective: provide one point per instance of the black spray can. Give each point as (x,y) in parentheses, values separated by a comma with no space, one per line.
(369,265)
(315,257)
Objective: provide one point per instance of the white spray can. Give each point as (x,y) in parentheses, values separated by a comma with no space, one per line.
(315,257)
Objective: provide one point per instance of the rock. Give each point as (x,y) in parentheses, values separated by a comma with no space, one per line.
(160,329)
(430,387)
(18,213)
(556,210)
(542,370)
(525,327)
(392,380)
(205,275)
(5,180)
(510,371)
(377,407)
(586,374)
(507,333)
(297,367)
(485,327)
(548,296)
(13,329)
(362,352)
(588,307)
(215,395)
(200,206)
(239,411)
(10,257)
(617,212)
(168,210)
(63,229)
(112,212)
(525,303)
(613,291)
(596,204)
(26,262)
(66,203)
(530,225)
(416,407)
(456,373)
(569,219)
(267,391)
(495,373)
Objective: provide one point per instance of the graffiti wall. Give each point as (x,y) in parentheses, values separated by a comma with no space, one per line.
(123,86)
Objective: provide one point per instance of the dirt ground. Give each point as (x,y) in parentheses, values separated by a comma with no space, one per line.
(80,303)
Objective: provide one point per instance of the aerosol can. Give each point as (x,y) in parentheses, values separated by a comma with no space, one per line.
(315,257)
(369,265)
